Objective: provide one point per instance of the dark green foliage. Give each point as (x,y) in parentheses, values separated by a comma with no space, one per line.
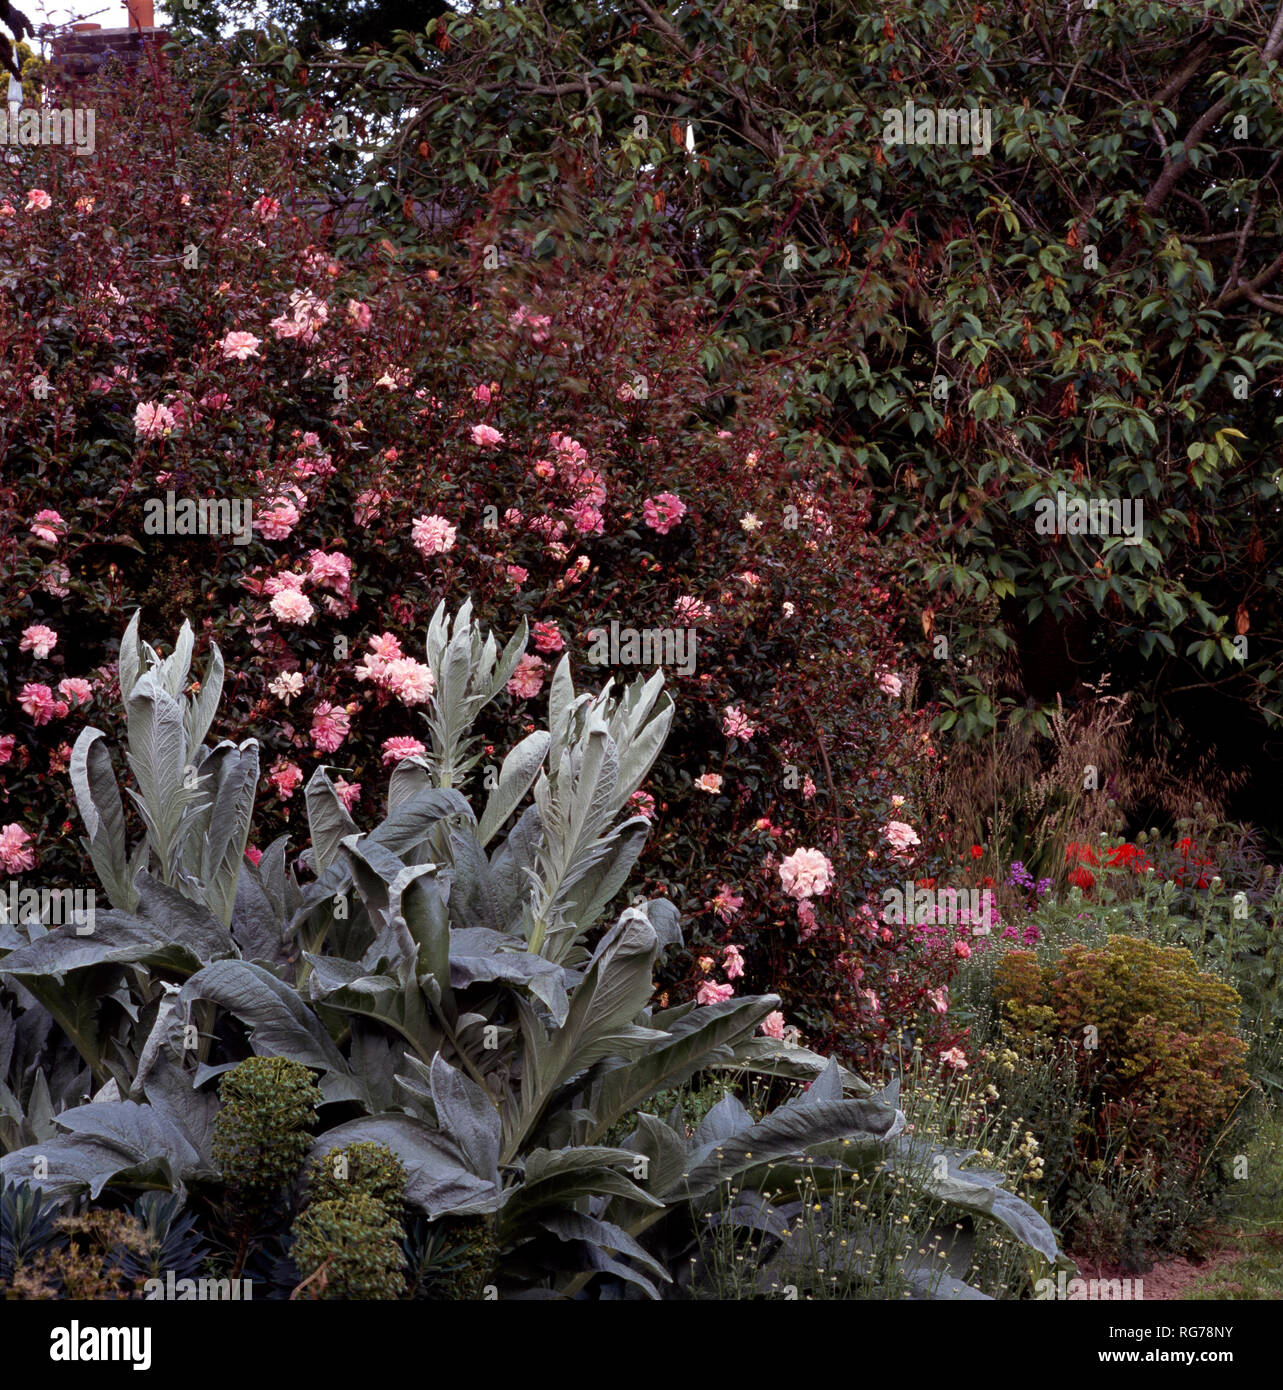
(172,1240)
(450,1259)
(26,1227)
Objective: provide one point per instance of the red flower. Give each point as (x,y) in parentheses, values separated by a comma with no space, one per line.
(1081,854)
(1082,878)
(977,851)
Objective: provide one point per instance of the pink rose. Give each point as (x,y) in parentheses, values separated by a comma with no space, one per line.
(710,993)
(806,873)
(773,1025)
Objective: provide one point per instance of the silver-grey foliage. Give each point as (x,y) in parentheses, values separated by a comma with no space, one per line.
(460,992)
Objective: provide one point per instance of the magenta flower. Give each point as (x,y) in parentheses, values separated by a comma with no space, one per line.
(547,637)
(281,517)
(331,571)
(349,793)
(290,606)
(902,836)
(586,519)
(689,609)
(76,690)
(39,704)
(410,681)
(727,903)
(735,724)
(285,777)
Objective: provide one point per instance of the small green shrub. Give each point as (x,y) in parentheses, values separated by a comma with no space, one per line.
(350,1247)
(1160,1036)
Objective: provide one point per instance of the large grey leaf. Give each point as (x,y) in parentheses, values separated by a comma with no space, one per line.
(516,776)
(575,1225)
(328,821)
(107,1139)
(599,1022)
(697,1041)
(232,811)
(271,873)
(767,1057)
(788,1131)
(478,956)
(374,869)
(410,776)
(407,827)
(588,894)
(169,932)
(467,1115)
(200,711)
(98,799)
(424,905)
(158,755)
(560,1177)
(439,1183)
(281,1024)
(976,1191)
(638,753)
(256,923)
(172,1091)
(130,662)
(473,902)
(511,864)
(664,1150)
(173,671)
